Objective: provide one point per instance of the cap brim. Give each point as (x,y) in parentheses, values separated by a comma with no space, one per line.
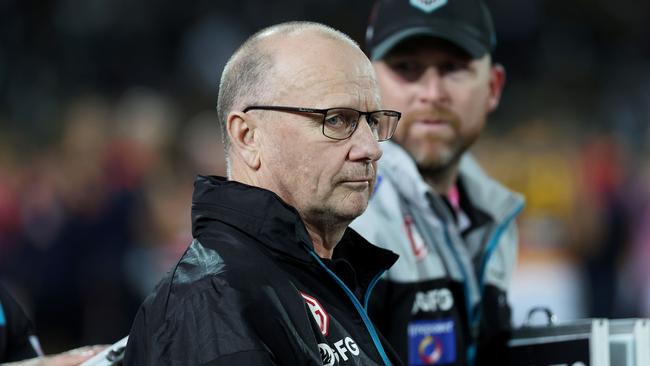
(472,46)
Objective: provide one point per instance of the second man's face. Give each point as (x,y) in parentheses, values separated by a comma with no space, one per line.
(444,97)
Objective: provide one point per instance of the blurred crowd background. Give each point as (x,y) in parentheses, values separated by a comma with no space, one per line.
(107,114)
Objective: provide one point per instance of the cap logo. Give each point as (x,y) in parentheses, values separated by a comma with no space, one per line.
(428,6)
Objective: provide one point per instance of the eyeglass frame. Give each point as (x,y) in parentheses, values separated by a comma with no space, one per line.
(323,112)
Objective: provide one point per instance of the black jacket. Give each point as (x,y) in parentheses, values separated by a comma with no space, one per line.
(250,290)
(15,330)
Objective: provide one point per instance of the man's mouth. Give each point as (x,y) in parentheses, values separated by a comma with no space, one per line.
(358,183)
(357,180)
(431,124)
(432,121)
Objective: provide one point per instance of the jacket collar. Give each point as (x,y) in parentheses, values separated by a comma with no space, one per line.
(253,210)
(277,225)
(365,258)
(487,194)
(484,193)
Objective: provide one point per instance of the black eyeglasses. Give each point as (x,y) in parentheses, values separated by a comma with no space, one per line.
(340,123)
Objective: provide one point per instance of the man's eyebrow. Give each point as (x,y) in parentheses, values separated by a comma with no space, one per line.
(402,53)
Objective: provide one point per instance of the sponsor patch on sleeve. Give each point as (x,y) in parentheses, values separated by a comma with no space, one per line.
(432,342)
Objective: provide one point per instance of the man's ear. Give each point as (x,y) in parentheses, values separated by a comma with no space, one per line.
(242,131)
(497,81)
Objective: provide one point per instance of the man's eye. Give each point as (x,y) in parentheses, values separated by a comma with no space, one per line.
(373,120)
(407,66)
(451,67)
(335,121)
(407,69)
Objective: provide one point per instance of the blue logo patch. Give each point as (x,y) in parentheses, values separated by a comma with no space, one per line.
(432,342)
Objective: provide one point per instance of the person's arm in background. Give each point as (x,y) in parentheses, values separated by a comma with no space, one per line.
(19,345)
(18,339)
(70,358)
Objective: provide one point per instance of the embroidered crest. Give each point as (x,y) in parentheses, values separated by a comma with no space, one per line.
(428,6)
(317,310)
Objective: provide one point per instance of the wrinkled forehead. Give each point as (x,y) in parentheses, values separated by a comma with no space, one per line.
(317,70)
(330,86)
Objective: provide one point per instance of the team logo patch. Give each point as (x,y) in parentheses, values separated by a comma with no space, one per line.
(326,354)
(418,246)
(432,342)
(342,351)
(317,310)
(428,6)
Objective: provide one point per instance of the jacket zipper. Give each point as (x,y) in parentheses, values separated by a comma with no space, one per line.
(471,348)
(493,243)
(359,308)
(489,251)
(371,286)
(474,317)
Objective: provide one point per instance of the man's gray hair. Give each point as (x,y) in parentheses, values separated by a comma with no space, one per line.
(245,78)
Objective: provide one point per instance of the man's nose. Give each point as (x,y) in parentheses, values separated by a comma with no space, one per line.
(364,143)
(431,87)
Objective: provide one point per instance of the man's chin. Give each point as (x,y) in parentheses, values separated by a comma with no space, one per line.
(431,160)
(351,212)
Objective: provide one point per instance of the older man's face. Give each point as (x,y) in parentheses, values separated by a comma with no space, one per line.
(326,180)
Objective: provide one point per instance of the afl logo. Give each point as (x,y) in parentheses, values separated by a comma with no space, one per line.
(430,350)
(321,317)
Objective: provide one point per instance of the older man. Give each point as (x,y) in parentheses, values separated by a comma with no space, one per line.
(274,275)
(445,301)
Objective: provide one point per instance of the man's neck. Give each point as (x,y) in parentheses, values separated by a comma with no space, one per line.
(441,180)
(325,238)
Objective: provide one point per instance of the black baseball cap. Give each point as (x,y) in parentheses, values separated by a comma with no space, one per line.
(465,23)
